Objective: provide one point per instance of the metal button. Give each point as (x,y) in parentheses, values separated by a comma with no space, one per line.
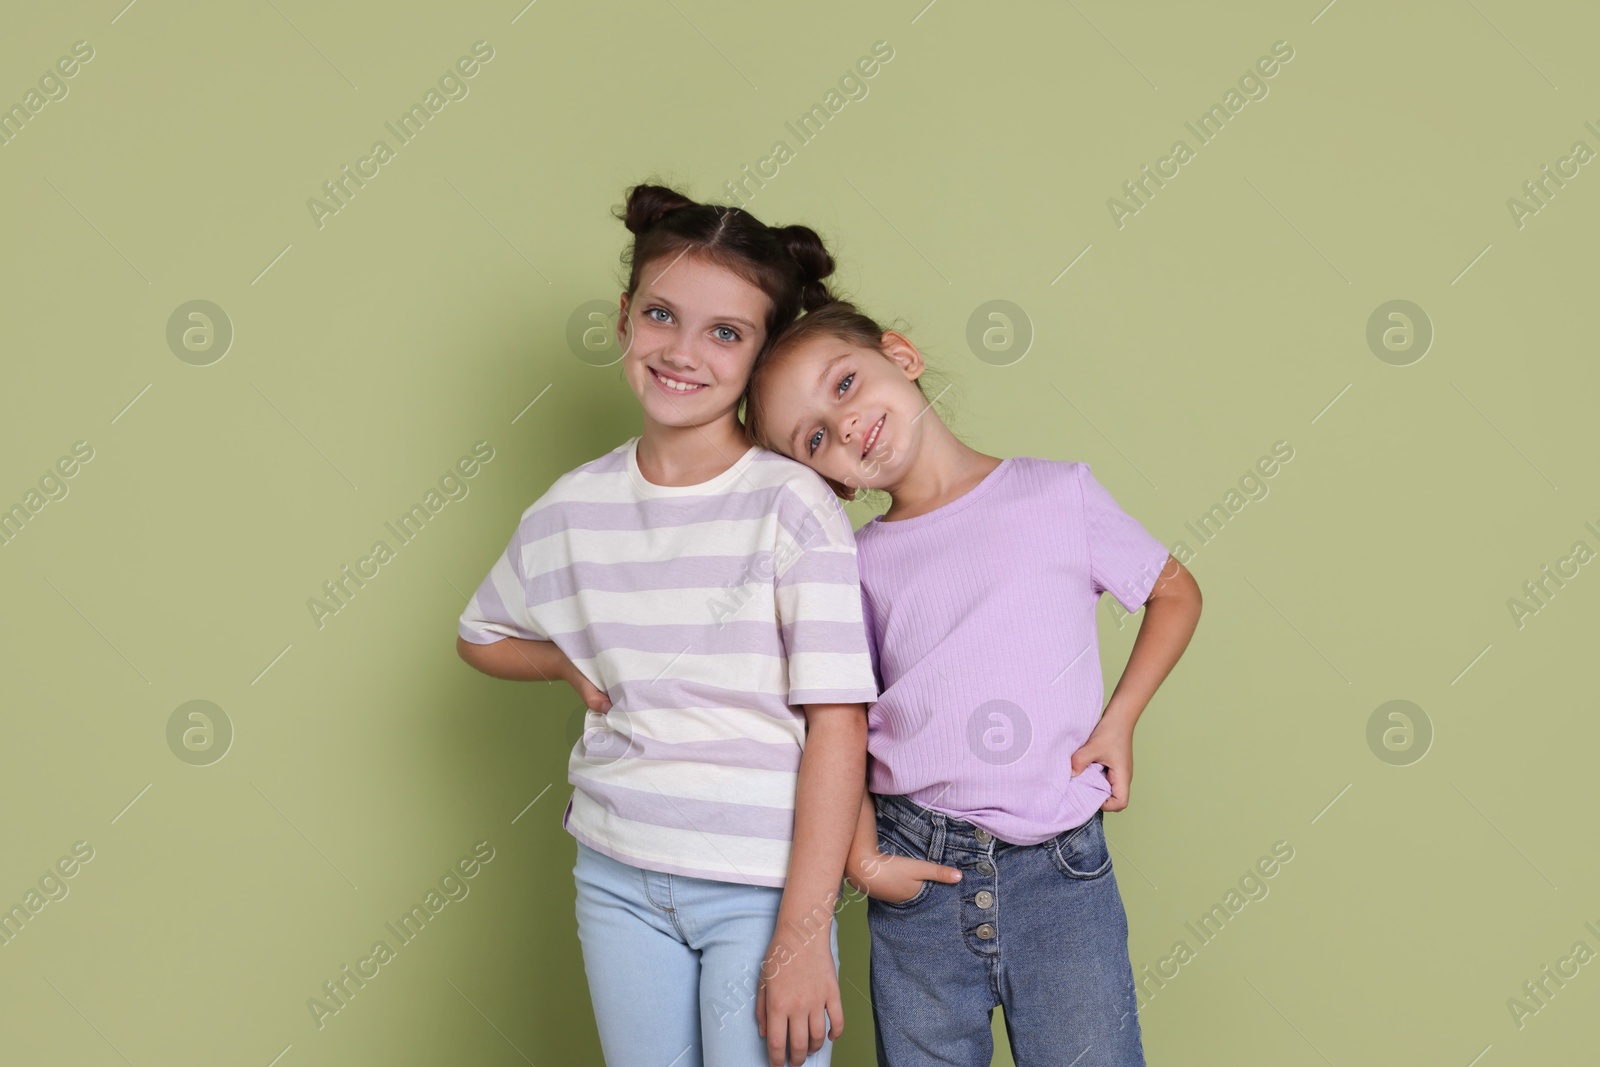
(983,836)
(984,899)
(985,932)
(985,867)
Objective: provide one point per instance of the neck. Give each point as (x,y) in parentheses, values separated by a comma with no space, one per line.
(944,468)
(688,455)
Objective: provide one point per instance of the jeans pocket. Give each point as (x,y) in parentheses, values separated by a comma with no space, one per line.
(894,842)
(1082,852)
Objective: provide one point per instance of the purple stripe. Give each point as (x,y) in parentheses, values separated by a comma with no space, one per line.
(677,693)
(817,636)
(802,525)
(831,568)
(756,638)
(681,572)
(728,752)
(834,696)
(490,607)
(648,514)
(682,813)
(610,463)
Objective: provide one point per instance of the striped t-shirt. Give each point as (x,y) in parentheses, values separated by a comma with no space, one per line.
(707,613)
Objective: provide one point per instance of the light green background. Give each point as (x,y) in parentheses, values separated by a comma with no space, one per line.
(1228,314)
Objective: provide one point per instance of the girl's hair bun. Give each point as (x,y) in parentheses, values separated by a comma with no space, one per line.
(648,203)
(808,251)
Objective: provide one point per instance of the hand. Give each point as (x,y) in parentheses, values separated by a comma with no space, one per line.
(894,879)
(592,697)
(1110,745)
(797,985)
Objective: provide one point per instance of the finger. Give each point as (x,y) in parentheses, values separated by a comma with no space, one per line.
(761,1009)
(819,1030)
(835,1015)
(1119,784)
(777,1042)
(799,1040)
(926,870)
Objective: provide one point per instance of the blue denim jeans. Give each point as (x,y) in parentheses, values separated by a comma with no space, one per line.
(673,962)
(1037,929)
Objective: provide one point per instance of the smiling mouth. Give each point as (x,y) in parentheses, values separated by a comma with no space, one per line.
(872,436)
(675,385)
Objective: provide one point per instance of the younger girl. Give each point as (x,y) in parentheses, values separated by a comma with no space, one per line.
(991,763)
(700,594)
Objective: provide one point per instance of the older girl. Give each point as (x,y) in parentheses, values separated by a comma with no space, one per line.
(700,594)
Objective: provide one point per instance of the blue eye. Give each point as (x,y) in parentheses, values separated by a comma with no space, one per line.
(651,312)
(812,442)
(728,330)
(844,383)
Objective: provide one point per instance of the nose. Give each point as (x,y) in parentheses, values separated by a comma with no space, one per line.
(680,353)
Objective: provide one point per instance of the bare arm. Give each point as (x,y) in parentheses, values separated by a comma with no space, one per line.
(1171,613)
(892,878)
(798,980)
(1170,616)
(517,660)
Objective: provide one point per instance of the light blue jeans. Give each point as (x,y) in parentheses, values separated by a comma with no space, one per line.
(673,963)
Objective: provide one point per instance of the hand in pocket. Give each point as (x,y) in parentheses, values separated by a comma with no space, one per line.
(895,879)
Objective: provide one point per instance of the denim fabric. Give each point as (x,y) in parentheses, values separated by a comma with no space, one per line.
(672,963)
(1038,929)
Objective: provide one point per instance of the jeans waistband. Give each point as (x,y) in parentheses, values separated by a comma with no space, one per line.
(926,827)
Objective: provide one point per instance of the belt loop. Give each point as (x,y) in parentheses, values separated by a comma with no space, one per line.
(936,840)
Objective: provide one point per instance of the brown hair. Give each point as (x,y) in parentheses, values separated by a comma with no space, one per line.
(787,263)
(838,319)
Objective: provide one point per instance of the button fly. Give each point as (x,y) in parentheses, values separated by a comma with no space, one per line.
(984,899)
(985,867)
(983,836)
(985,932)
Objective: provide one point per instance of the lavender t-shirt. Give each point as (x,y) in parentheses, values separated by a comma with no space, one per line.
(982,617)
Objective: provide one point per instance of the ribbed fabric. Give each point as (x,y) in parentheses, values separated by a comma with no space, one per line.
(708,614)
(982,615)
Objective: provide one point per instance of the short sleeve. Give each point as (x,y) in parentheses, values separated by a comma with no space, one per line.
(817,590)
(1124,558)
(499,609)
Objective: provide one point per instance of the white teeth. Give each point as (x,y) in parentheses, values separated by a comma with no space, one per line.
(682,387)
(872,439)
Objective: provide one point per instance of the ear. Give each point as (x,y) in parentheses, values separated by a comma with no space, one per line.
(622,324)
(904,354)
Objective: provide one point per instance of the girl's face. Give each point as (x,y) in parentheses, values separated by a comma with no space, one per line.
(850,413)
(691,334)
